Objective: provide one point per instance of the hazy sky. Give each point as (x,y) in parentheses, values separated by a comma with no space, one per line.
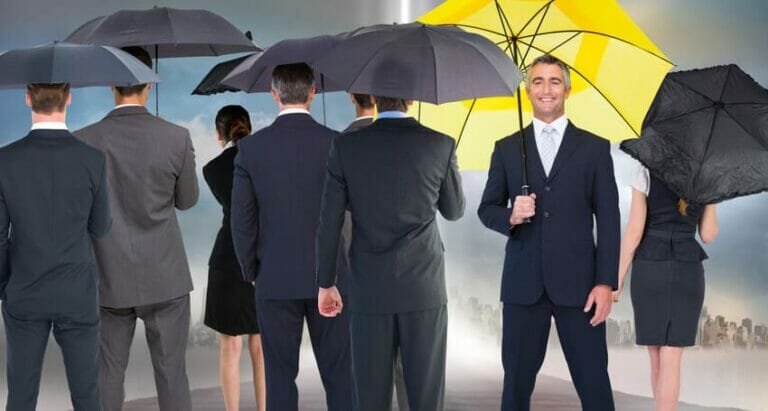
(693,33)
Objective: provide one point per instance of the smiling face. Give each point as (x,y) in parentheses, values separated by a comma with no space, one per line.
(547,91)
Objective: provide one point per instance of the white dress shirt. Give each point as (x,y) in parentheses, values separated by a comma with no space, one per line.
(49,125)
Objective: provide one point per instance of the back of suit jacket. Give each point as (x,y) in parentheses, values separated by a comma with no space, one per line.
(394,176)
(151,171)
(556,252)
(279,172)
(53,197)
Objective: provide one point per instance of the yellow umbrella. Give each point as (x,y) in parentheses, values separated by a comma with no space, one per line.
(615,69)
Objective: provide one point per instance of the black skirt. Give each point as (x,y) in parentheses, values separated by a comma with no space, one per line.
(667,297)
(230,303)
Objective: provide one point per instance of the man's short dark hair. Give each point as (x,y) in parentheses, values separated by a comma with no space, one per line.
(145,58)
(48,98)
(549,59)
(363,100)
(293,82)
(390,104)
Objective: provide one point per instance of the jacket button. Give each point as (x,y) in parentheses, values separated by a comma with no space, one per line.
(547,188)
(546,214)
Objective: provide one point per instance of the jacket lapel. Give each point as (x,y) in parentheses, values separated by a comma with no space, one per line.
(567,147)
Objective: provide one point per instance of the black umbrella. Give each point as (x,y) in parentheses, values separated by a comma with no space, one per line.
(211,83)
(166,32)
(435,64)
(706,135)
(63,63)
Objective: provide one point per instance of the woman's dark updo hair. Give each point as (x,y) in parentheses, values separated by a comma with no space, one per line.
(233,123)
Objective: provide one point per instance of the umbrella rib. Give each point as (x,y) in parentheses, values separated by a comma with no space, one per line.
(598,90)
(464,125)
(598,33)
(564,42)
(687,113)
(469,26)
(545,6)
(700,161)
(536,32)
(759,141)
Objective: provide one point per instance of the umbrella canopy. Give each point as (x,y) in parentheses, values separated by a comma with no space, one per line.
(706,135)
(615,68)
(63,63)
(254,75)
(166,32)
(420,62)
(211,83)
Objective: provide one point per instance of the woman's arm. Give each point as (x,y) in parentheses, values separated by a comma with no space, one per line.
(708,227)
(632,236)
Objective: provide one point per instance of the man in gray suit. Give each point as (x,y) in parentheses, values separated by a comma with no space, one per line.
(144,269)
(53,202)
(393,175)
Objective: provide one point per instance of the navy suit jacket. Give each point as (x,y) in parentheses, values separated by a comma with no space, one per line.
(277,187)
(556,252)
(53,203)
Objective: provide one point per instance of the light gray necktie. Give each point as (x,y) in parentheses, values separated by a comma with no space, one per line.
(548,150)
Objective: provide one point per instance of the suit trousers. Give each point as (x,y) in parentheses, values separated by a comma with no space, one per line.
(524,344)
(421,337)
(27,338)
(167,329)
(281,323)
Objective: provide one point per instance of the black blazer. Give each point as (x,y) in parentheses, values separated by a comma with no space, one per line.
(393,176)
(53,202)
(557,251)
(278,183)
(358,124)
(218,173)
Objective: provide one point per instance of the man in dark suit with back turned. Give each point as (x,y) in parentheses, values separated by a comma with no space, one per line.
(393,176)
(364,111)
(278,183)
(144,268)
(53,202)
(552,266)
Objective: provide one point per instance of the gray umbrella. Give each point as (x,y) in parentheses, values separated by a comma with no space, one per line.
(63,63)
(435,64)
(211,83)
(166,32)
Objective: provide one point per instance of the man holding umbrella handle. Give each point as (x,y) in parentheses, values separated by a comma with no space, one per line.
(552,267)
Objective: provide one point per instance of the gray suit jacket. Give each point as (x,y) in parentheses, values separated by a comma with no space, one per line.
(393,176)
(53,201)
(150,171)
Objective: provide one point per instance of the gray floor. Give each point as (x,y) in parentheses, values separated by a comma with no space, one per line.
(551,394)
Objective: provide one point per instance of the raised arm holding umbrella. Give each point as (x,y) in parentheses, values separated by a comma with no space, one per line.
(53,194)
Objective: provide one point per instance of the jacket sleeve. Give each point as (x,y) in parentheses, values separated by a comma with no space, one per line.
(605,205)
(187,191)
(332,208)
(494,210)
(245,220)
(5,227)
(451,202)
(100,219)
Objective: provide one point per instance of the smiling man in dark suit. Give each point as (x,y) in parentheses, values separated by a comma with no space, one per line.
(552,266)
(278,183)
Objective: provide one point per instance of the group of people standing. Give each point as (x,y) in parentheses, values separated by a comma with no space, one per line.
(338,230)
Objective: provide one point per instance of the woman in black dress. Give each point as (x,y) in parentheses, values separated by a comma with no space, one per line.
(230,306)
(667,287)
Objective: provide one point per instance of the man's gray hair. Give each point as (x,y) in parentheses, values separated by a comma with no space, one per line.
(549,59)
(293,82)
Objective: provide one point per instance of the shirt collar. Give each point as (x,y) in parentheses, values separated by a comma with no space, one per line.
(559,125)
(49,125)
(127,105)
(391,114)
(362,118)
(293,111)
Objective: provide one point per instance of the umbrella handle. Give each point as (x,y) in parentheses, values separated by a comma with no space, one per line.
(526,192)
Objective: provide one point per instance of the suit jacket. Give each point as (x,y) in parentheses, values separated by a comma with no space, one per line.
(556,252)
(150,171)
(278,183)
(393,176)
(53,202)
(218,173)
(358,124)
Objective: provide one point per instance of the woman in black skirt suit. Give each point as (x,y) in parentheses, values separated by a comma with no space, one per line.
(230,306)
(667,287)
